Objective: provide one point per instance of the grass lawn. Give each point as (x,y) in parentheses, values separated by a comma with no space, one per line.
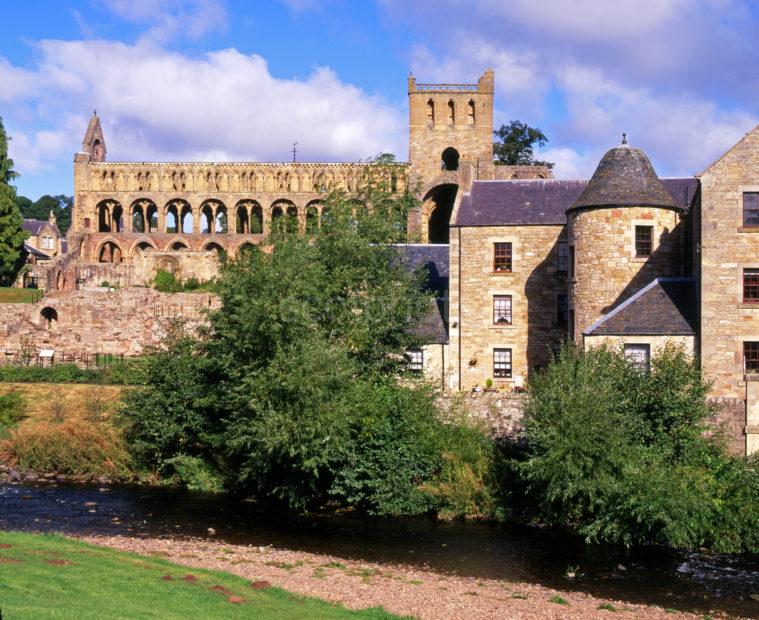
(50,576)
(19,295)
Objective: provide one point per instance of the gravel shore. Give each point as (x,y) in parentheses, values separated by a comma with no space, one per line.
(402,590)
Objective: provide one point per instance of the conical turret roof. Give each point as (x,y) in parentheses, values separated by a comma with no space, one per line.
(624,177)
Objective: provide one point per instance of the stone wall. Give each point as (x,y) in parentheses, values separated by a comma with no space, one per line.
(120,322)
(534,285)
(606,270)
(656,342)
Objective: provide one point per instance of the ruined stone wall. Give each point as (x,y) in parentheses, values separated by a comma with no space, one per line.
(606,270)
(120,322)
(534,285)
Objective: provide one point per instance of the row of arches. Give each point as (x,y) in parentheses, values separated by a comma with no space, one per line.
(113,251)
(297,178)
(434,115)
(211,217)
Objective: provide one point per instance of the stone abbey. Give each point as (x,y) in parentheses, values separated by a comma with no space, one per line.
(521,261)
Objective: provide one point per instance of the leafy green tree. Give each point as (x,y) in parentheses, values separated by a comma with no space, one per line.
(625,456)
(294,392)
(11,233)
(515,144)
(60,205)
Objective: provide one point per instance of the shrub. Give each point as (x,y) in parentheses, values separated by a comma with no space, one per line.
(12,408)
(122,373)
(623,456)
(195,474)
(73,447)
(166,282)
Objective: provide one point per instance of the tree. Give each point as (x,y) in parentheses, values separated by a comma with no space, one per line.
(293,394)
(12,234)
(60,205)
(624,456)
(515,145)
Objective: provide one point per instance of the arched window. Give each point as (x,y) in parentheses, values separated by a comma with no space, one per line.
(470,112)
(109,253)
(451,113)
(138,219)
(430,112)
(242,222)
(171,220)
(49,317)
(450,159)
(178,246)
(152,217)
(222,222)
(206,219)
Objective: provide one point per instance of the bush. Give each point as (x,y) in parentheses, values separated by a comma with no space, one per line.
(623,456)
(73,447)
(122,373)
(12,408)
(166,282)
(195,474)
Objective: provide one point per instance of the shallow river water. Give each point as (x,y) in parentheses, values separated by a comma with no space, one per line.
(682,580)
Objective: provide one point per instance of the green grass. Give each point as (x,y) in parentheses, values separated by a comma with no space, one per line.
(19,295)
(50,576)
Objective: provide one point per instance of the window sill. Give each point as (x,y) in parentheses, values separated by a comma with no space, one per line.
(748,229)
(501,325)
(501,273)
(749,305)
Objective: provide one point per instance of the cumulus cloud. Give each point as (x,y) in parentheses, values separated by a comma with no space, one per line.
(161,105)
(677,75)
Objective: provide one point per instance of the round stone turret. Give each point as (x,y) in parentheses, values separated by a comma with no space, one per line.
(623,232)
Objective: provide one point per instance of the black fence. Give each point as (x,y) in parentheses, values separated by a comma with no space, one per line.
(19,357)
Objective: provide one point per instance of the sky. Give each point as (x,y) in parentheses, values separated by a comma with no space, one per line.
(242,80)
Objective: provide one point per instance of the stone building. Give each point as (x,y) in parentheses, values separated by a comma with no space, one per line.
(43,244)
(518,261)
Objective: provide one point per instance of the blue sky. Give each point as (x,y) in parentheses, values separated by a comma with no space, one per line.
(234,80)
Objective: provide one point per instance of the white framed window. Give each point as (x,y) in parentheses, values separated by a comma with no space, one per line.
(47,243)
(502,363)
(501,309)
(415,359)
(639,355)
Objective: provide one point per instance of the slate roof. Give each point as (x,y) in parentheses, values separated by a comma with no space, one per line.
(666,307)
(34,251)
(434,325)
(33,227)
(624,177)
(542,201)
(434,257)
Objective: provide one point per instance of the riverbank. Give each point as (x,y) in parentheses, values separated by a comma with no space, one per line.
(403,590)
(50,576)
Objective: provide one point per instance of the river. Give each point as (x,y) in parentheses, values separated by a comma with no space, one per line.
(684,580)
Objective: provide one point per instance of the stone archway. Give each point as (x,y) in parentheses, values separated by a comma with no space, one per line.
(437,208)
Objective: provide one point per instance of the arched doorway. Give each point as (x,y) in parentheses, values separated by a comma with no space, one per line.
(438,207)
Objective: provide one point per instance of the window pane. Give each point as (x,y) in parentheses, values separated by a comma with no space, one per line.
(502,257)
(751,356)
(751,286)
(561,265)
(415,359)
(644,237)
(561,310)
(502,309)
(502,363)
(571,265)
(751,209)
(639,354)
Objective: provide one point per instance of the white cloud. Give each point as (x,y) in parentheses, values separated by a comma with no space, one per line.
(167,18)
(161,105)
(33,153)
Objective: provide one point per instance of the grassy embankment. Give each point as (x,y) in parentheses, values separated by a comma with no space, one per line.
(19,295)
(50,576)
(63,428)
